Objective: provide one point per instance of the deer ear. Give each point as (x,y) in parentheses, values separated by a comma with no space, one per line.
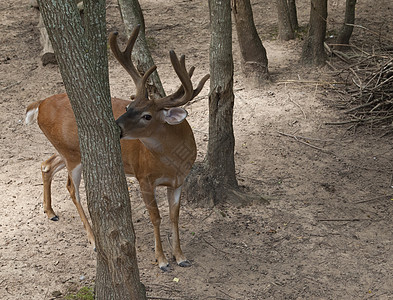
(174,115)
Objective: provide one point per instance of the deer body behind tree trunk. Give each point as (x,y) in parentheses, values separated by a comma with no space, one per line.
(158,145)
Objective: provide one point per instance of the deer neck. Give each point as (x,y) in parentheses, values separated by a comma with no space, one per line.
(161,141)
(173,142)
(154,144)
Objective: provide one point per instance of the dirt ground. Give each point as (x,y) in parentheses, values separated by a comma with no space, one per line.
(327,232)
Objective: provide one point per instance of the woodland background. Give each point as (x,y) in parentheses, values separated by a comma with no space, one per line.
(327,232)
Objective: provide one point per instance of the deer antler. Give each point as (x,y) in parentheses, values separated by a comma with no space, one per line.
(124,57)
(183,95)
(186,92)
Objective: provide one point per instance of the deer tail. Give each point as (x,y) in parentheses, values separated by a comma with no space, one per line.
(32,112)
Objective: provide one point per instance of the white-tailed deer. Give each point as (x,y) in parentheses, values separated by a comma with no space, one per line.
(157,143)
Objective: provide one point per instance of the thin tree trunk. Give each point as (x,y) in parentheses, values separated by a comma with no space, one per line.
(214,180)
(254,58)
(313,50)
(346,31)
(293,14)
(220,149)
(132,16)
(82,58)
(285,31)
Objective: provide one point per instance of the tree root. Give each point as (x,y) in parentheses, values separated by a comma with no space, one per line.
(202,189)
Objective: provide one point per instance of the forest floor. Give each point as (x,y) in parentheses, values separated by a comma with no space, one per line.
(327,232)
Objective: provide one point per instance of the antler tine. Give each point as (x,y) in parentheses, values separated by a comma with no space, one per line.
(200,85)
(180,90)
(131,40)
(181,71)
(185,93)
(125,60)
(191,71)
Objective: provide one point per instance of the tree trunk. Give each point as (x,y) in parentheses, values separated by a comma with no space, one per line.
(346,31)
(254,58)
(132,16)
(285,31)
(220,149)
(214,180)
(293,14)
(82,58)
(313,50)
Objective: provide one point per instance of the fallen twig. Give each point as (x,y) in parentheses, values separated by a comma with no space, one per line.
(301,109)
(310,82)
(373,199)
(306,138)
(211,245)
(226,294)
(10,85)
(366,120)
(359,85)
(342,220)
(160,298)
(360,106)
(296,138)
(342,56)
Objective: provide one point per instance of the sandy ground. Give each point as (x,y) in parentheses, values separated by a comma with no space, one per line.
(327,232)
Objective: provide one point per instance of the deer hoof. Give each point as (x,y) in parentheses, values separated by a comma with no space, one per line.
(165,268)
(184,264)
(55,218)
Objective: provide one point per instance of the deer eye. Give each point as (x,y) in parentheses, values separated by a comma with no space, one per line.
(147,117)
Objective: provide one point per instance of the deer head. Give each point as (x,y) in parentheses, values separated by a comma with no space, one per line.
(144,116)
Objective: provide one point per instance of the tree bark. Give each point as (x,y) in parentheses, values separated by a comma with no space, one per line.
(293,14)
(254,58)
(313,50)
(346,30)
(285,31)
(82,59)
(132,16)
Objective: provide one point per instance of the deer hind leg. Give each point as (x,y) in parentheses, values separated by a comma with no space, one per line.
(174,208)
(148,196)
(48,169)
(73,183)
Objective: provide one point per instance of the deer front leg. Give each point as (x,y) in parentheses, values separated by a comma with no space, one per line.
(174,208)
(151,205)
(73,183)
(49,168)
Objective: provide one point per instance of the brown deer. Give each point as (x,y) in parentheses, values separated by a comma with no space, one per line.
(157,143)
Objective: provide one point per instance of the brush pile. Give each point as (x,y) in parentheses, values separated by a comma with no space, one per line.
(371,88)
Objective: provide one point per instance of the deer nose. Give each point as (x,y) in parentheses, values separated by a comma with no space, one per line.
(121,126)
